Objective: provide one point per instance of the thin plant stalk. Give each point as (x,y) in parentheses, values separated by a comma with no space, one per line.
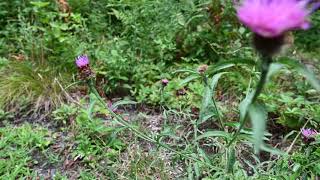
(266,61)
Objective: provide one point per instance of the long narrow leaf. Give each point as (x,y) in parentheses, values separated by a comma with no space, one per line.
(122,102)
(258,118)
(207,134)
(207,103)
(188,79)
(185,70)
(244,105)
(227,64)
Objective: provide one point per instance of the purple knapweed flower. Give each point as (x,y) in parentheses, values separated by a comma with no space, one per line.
(309,133)
(82,61)
(272,18)
(84,69)
(164,82)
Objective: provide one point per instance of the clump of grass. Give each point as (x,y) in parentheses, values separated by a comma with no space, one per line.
(31,83)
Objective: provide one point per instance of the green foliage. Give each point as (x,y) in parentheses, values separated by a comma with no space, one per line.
(95,139)
(65,113)
(133,45)
(17,145)
(23,81)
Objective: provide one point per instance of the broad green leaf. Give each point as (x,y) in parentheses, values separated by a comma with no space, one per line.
(258,118)
(207,134)
(310,76)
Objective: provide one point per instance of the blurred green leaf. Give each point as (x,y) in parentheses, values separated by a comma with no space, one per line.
(244,105)
(258,118)
(273,69)
(231,159)
(39,4)
(188,79)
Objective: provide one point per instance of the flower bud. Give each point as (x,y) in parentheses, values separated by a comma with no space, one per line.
(164,82)
(202,68)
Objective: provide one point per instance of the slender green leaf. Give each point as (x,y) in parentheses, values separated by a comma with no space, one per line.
(227,64)
(40,4)
(207,102)
(190,172)
(91,106)
(196,170)
(122,102)
(203,155)
(185,70)
(258,118)
(207,134)
(244,105)
(205,115)
(231,159)
(188,79)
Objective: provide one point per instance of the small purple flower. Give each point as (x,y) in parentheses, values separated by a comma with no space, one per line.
(164,82)
(84,69)
(272,18)
(82,61)
(308,133)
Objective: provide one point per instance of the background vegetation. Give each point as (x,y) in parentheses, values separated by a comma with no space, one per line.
(49,128)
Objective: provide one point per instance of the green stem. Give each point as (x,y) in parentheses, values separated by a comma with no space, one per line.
(266,61)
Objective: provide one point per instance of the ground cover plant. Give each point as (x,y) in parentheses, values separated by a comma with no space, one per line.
(147,89)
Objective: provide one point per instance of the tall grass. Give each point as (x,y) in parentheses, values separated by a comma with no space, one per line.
(30,83)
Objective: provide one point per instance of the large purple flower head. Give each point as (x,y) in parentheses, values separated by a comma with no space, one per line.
(82,61)
(271,18)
